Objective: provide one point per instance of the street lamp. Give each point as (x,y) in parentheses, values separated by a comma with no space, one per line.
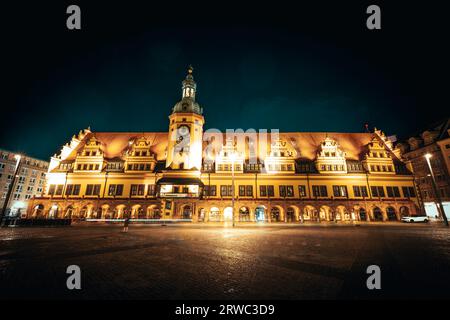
(436,191)
(18,157)
(232,158)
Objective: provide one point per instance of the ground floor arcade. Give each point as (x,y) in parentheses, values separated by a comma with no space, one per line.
(204,210)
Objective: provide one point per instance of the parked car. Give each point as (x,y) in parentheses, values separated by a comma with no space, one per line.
(415,219)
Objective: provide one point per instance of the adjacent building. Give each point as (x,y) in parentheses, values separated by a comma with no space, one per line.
(206,175)
(30,181)
(435,141)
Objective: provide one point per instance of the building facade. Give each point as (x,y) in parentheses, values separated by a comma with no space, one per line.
(189,173)
(435,141)
(30,181)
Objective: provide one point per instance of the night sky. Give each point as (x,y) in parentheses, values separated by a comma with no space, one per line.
(293,67)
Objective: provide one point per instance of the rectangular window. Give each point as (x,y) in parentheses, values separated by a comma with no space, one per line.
(76,189)
(59,190)
(226,190)
(270,191)
(263,191)
(289,191)
(340,191)
(241,191)
(302,191)
(377,191)
(320,191)
(409,192)
(357,191)
(69,189)
(89,189)
(151,190)
(137,189)
(249,191)
(51,189)
(282,190)
(112,190)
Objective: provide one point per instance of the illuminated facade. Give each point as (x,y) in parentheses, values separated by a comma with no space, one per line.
(30,181)
(188,172)
(435,141)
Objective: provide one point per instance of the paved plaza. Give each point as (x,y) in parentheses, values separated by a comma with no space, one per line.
(216,262)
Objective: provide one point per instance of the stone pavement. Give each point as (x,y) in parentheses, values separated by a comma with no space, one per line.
(247,262)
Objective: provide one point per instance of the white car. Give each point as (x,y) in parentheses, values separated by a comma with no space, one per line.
(415,219)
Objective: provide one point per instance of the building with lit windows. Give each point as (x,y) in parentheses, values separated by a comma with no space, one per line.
(192,173)
(30,181)
(436,142)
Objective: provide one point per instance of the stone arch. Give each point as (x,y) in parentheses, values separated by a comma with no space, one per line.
(309,213)
(228,214)
(292,214)
(38,211)
(391,213)
(69,212)
(342,214)
(360,213)
(119,211)
(215,214)
(377,214)
(404,211)
(55,211)
(137,212)
(153,212)
(85,211)
(276,214)
(326,213)
(244,214)
(201,214)
(105,213)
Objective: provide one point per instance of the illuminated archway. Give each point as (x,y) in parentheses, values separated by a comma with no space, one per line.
(153,212)
(69,212)
(291,215)
(228,214)
(377,214)
(404,211)
(275,214)
(260,213)
(391,215)
(244,214)
(38,211)
(214,214)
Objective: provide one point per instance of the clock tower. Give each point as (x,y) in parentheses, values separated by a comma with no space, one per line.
(184,149)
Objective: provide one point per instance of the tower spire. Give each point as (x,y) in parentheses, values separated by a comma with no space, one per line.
(189,87)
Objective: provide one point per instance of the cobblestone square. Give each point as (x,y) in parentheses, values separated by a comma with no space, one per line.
(215,262)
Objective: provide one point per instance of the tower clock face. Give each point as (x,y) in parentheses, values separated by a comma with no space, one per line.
(182,134)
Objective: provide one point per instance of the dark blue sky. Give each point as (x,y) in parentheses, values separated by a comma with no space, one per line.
(307,68)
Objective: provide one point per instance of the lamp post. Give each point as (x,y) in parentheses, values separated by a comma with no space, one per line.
(18,157)
(232,158)
(436,191)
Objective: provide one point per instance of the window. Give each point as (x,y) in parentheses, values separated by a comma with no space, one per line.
(69,189)
(263,191)
(93,189)
(282,190)
(360,191)
(59,189)
(377,191)
(115,190)
(320,191)
(226,190)
(137,189)
(410,192)
(302,191)
(210,191)
(246,191)
(51,189)
(393,192)
(340,191)
(151,190)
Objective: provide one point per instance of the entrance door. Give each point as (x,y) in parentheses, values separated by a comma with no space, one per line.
(260,214)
